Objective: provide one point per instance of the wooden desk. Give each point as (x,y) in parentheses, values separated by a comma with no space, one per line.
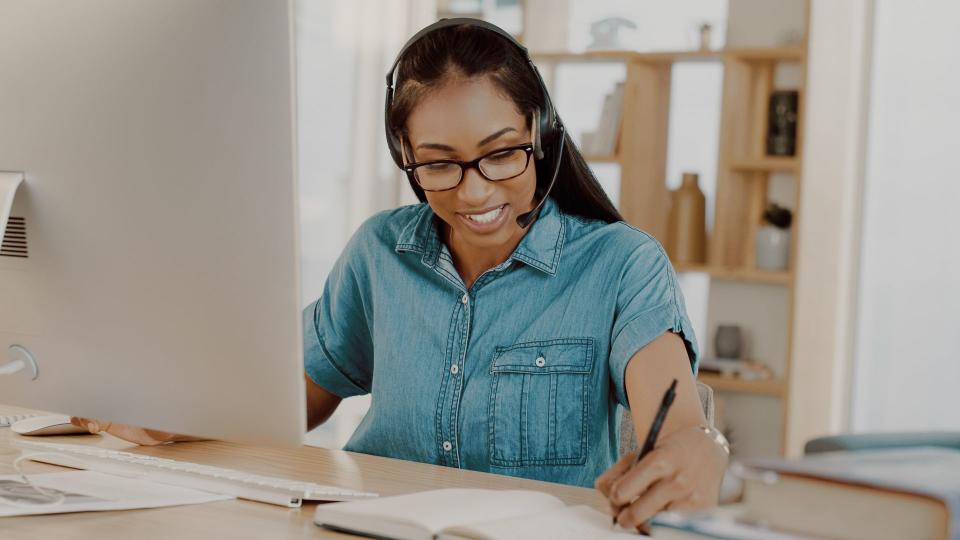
(245,519)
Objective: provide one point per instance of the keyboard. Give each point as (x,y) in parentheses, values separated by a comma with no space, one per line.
(267,489)
(7,421)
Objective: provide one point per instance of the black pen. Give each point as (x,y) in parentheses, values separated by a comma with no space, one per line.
(655,427)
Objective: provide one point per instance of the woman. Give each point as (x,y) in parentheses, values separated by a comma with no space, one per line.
(495,345)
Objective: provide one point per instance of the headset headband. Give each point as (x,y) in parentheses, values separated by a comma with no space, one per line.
(549,121)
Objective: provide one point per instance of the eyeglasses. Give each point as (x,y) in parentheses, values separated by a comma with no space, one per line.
(446,174)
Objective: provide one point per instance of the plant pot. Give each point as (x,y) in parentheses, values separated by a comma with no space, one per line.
(773,248)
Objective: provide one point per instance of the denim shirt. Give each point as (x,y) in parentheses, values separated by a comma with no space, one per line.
(522,374)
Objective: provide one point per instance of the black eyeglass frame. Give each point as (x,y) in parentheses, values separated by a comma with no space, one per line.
(473,164)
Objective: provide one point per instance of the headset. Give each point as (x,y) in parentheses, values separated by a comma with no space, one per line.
(548,126)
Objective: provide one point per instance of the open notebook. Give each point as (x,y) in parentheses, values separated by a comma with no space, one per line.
(455,514)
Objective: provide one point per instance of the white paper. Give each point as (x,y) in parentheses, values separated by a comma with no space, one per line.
(568,523)
(88,491)
(438,509)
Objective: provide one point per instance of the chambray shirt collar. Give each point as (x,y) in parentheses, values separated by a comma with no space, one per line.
(540,248)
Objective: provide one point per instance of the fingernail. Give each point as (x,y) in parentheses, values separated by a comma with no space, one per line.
(92,427)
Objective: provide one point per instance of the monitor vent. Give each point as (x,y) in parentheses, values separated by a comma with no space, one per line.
(15,238)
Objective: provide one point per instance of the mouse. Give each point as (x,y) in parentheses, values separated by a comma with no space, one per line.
(50,424)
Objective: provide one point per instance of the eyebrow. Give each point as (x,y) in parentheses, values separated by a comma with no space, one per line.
(487,139)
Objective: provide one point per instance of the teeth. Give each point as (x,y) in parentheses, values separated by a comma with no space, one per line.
(489,217)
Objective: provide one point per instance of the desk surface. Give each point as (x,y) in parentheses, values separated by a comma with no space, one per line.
(245,519)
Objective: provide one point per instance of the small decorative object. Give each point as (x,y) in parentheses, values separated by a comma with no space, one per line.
(729,341)
(686,225)
(606,33)
(773,239)
(782,123)
(705,31)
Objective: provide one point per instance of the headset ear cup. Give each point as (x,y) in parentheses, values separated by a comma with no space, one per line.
(393,143)
(548,124)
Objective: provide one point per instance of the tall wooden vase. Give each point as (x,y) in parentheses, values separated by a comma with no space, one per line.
(686,228)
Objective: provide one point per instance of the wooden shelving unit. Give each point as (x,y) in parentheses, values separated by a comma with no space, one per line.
(767,387)
(743,172)
(739,274)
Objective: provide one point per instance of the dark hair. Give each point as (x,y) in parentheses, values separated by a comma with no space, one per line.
(470,51)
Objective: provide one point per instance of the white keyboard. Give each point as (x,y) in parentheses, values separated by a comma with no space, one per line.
(242,485)
(7,421)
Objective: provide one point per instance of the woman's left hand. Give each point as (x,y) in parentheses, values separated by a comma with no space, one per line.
(683,472)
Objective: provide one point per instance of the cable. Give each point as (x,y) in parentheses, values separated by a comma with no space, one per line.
(12,367)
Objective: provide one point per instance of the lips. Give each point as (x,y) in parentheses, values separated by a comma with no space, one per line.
(486,220)
(485,216)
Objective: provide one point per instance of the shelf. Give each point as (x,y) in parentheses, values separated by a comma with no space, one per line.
(589,56)
(768,54)
(746,275)
(772,54)
(680,56)
(766,164)
(597,158)
(768,387)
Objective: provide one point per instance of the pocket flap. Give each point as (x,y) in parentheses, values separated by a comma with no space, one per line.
(569,355)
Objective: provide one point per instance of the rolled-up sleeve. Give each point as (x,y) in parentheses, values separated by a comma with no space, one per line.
(337,345)
(649,304)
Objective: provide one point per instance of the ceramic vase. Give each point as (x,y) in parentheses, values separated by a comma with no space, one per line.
(686,226)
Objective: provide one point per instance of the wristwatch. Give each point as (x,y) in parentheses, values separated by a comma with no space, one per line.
(717,436)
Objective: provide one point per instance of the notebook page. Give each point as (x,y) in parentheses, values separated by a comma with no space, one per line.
(567,523)
(438,509)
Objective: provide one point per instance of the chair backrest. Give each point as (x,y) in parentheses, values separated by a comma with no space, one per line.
(628,436)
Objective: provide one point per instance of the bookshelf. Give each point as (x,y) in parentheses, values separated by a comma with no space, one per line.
(744,176)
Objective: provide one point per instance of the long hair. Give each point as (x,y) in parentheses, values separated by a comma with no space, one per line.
(469,51)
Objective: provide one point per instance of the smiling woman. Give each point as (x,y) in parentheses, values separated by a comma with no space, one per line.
(500,324)
(515,301)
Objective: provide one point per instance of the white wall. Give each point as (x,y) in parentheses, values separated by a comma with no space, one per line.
(344,48)
(907,368)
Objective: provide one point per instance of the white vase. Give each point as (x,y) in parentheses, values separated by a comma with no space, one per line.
(773,248)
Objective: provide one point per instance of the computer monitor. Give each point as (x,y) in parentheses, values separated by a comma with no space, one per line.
(157,282)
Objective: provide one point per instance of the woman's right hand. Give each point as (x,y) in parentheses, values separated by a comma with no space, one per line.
(134,434)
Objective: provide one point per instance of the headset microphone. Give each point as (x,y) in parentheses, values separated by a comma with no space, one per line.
(524,220)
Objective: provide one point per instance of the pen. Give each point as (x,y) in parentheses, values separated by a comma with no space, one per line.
(655,427)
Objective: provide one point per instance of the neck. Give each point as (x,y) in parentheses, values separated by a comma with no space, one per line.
(471,261)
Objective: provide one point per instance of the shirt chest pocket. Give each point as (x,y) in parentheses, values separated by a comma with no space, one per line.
(538,403)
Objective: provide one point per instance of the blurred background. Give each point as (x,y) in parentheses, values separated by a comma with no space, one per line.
(797,159)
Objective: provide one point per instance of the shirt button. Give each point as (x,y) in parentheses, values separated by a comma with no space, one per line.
(541,361)
(465,299)
(454,369)
(447,446)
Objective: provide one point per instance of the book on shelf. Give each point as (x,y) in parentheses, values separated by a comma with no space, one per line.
(603,140)
(877,494)
(458,514)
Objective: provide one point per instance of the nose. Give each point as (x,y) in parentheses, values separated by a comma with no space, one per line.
(474,189)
